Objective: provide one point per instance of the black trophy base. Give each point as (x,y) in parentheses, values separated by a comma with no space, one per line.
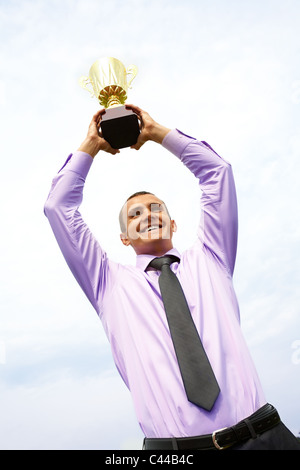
(120,127)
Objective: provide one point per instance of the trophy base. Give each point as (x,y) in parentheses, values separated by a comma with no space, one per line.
(120,127)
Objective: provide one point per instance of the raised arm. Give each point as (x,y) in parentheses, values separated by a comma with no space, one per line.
(85,257)
(218,227)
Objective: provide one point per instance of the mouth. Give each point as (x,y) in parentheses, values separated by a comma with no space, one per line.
(151,228)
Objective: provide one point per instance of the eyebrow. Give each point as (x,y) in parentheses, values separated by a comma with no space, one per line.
(135,207)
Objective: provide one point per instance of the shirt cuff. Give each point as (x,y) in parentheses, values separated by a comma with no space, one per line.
(79,162)
(176,141)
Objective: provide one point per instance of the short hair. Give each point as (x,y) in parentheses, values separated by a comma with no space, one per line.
(138,193)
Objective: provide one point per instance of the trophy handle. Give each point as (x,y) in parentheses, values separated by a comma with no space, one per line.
(133,70)
(85,82)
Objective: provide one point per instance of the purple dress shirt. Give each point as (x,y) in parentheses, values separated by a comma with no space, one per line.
(128,301)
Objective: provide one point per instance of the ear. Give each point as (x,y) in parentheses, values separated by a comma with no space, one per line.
(124,239)
(173,226)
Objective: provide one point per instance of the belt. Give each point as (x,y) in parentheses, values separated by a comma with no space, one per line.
(262,420)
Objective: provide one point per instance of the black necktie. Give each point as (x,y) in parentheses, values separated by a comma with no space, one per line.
(198,377)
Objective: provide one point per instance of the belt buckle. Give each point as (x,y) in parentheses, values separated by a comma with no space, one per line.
(215,442)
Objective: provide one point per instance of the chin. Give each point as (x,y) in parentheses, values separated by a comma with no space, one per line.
(153,246)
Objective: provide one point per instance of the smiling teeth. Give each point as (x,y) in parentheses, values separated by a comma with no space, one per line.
(153,227)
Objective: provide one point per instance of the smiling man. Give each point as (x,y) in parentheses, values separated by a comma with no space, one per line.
(172,320)
(146,224)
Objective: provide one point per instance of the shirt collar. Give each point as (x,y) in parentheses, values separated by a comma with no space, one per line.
(142,261)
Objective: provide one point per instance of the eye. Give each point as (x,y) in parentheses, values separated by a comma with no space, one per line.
(134,213)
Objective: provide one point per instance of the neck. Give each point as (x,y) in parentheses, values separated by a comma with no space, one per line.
(155,250)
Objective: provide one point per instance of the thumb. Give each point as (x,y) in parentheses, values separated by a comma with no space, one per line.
(140,142)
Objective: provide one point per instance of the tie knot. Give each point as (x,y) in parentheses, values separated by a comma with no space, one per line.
(158,263)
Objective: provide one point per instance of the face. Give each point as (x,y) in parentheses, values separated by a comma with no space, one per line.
(149,229)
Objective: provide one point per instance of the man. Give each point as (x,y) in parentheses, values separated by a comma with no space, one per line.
(132,304)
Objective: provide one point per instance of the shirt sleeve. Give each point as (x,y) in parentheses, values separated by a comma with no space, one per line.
(218,228)
(86,259)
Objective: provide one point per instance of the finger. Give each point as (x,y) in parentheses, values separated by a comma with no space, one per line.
(136,147)
(98,116)
(134,108)
(114,151)
(102,112)
(99,113)
(108,148)
(138,144)
(139,112)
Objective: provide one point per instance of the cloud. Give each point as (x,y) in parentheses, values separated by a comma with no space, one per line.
(66,413)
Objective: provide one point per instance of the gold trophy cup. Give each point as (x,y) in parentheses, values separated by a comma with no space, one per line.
(108,82)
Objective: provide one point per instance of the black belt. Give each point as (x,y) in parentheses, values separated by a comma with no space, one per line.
(263,419)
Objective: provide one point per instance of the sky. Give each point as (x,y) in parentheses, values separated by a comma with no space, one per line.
(227,72)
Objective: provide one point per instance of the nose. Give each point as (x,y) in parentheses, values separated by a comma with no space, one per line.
(145,218)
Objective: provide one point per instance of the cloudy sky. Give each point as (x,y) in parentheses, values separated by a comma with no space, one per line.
(227,72)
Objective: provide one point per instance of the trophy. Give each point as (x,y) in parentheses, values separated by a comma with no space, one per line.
(107,82)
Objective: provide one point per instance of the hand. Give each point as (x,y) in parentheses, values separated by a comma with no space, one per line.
(150,130)
(94,141)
